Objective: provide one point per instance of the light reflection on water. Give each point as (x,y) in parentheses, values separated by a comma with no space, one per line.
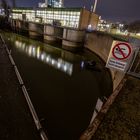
(36,52)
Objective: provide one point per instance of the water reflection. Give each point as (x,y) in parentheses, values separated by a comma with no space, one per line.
(43,56)
(66,104)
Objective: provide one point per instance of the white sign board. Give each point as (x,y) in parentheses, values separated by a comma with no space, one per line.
(119,56)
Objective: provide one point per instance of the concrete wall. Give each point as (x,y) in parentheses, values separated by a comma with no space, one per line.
(24,25)
(36,27)
(16,24)
(52,34)
(19,26)
(36,30)
(73,39)
(101,44)
(84,19)
(87,18)
(94,19)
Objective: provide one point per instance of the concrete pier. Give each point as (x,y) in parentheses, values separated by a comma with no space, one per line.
(16,25)
(73,40)
(100,44)
(70,38)
(36,30)
(53,34)
(24,27)
(19,26)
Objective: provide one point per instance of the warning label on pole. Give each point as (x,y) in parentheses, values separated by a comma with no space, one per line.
(119,56)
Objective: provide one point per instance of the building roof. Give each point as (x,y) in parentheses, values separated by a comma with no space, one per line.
(48,8)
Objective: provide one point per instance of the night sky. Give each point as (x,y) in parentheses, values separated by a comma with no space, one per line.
(115,10)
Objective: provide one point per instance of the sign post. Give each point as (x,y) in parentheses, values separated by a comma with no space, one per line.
(119,56)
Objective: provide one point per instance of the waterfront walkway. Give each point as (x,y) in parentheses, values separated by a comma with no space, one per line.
(16,122)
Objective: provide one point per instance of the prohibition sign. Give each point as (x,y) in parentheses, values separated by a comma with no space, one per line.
(121,51)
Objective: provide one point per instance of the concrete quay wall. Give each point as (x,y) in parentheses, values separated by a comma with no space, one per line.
(36,30)
(71,39)
(101,44)
(52,34)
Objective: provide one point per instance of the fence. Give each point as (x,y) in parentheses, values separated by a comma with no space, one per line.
(134,69)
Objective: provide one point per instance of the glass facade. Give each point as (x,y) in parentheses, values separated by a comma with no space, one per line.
(55,3)
(22,14)
(55,16)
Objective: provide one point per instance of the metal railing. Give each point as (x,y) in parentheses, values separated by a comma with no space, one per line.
(134,69)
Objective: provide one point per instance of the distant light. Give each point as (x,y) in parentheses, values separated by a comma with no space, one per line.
(30,51)
(65,68)
(48,58)
(52,62)
(59,64)
(107,25)
(89,26)
(38,52)
(121,25)
(82,64)
(138,34)
(42,56)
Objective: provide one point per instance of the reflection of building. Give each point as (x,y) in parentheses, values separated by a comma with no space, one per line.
(43,56)
(67,17)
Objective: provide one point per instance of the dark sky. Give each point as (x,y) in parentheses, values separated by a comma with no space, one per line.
(116,10)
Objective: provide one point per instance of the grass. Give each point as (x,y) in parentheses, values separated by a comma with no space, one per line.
(122,121)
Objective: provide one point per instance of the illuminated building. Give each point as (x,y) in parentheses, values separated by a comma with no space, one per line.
(55,3)
(2,12)
(52,3)
(64,25)
(67,17)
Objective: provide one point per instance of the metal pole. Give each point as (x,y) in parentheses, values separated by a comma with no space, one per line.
(95,5)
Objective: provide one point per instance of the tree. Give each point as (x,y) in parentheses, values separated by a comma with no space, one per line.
(6,7)
(4,19)
(134,27)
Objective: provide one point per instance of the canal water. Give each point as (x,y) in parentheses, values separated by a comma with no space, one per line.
(63,90)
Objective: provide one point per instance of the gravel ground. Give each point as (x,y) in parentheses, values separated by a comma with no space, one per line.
(122,122)
(16,122)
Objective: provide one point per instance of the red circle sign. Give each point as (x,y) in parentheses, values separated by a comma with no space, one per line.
(121,51)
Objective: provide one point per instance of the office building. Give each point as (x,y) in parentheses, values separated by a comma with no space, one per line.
(66,17)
